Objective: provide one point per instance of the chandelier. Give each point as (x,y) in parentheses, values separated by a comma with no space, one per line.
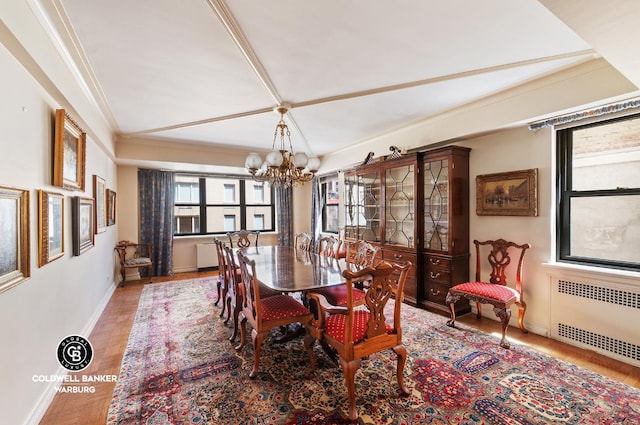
(281,166)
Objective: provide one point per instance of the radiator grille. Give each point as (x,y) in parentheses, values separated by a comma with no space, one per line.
(599,293)
(612,345)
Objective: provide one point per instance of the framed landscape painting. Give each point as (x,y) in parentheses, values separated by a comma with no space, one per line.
(510,193)
(82,224)
(14,237)
(69,153)
(51,227)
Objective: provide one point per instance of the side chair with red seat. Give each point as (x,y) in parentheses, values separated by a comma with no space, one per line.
(494,291)
(264,314)
(359,255)
(234,293)
(355,332)
(226,278)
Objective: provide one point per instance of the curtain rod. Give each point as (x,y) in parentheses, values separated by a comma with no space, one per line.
(589,113)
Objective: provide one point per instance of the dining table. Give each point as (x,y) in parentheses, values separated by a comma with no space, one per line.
(289,269)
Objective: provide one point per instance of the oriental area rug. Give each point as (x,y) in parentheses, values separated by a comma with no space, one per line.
(180,368)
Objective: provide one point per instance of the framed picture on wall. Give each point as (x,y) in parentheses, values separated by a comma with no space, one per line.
(510,193)
(14,237)
(100,196)
(82,216)
(69,153)
(111,207)
(50,227)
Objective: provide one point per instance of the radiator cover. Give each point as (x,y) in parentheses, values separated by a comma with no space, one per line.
(598,314)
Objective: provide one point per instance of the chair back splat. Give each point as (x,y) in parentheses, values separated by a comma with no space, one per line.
(495,290)
(304,241)
(357,330)
(243,238)
(327,246)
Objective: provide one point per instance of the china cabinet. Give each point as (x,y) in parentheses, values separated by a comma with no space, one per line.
(416,208)
(381,208)
(446,225)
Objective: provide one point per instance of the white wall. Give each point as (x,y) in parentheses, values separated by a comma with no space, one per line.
(67,295)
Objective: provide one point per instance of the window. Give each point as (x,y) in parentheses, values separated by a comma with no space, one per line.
(215,205)
(230,223)
(230,193)
(258,221)
(258,193)
(329,190)
(599,193)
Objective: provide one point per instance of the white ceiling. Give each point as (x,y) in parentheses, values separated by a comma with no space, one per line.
(211,72)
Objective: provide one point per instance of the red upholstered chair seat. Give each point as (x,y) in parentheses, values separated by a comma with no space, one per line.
(499,255)
(336,323)
(337,295)
(281,306)
(488,291)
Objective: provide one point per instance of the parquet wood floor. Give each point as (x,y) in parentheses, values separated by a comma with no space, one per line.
(111,333)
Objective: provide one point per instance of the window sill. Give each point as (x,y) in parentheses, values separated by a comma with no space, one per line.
(590,271)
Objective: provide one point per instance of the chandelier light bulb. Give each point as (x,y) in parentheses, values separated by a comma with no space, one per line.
(300,160)
(253,161)
(313,164)
(275,158)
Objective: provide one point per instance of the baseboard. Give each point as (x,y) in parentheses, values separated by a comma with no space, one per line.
(41,406)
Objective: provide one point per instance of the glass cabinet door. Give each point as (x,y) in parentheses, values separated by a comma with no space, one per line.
(362,206)
(436,205)
(369,206)
(351,206)
(400,206)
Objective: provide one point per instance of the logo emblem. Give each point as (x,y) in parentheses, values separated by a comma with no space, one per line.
(75,353)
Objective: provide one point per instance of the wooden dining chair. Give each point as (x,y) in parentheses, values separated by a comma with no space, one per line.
(327,246)
(494,291)
(221,271)
(228,276)
(243,238)
(304,241)
(134,256)
(264,314)
(356,332)
(359,255)
(234,293)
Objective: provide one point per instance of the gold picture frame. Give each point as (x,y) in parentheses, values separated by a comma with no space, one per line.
(82,219)
(512,193)
(100,196)
(50,226)
(15,263)
(111,207)
(69,153)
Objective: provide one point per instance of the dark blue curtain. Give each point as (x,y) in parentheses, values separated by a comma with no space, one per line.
(284,215)
(157,192)
(316,208)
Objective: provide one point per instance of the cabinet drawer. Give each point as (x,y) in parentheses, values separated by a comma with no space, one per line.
(436,292)
(398,256)
(438,263)
(439,276)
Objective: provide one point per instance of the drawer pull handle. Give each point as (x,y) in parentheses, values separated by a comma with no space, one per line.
(397,256)
(434,275)
(434,261)
(435,293)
